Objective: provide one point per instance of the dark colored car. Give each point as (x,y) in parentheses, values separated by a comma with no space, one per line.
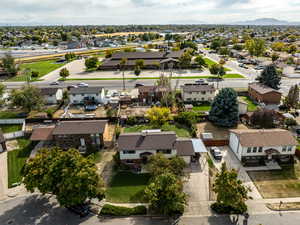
(216,153)
(82,210)
(138,85)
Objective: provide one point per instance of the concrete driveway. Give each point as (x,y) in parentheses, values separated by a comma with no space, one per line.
(233,163)
(197,187)
(3,175)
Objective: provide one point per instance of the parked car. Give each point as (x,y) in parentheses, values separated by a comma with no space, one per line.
(82,210)
(138,85)
(216,153)
(54,83)
(82,85)
(200,81)
(72,86)
(243,66)
(259,67)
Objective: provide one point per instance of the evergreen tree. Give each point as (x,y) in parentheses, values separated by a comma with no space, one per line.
(224,111)
(270,77)
(292,99)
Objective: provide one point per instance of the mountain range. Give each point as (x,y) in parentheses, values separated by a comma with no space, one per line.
(266,22)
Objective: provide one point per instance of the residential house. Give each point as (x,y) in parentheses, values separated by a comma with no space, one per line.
(150,94)
(2,142)
(52,95)
(257,146)
(136,148)
(80,134)
(152,60)
(198,92)
(92,95)
(264,94)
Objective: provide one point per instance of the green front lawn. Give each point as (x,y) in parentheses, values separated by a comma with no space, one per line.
(43,67)
(16,159)
(181,131)
(127,187)
(251,105)
(210,62)
(202,108)
(9,128)
(9,115)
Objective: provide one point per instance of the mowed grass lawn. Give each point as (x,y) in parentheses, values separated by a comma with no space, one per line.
(181,131)
(251,105)
(127,187)
(9,128)
(202,108)
(16,159)
(283,183)
(43,67)
(210,62)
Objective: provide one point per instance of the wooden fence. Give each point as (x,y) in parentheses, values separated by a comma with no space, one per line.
(218,143)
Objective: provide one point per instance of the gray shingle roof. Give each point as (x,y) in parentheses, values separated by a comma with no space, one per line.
(149,141)
(184,147)
(262,89)
(48,91)
(86,90)
(80,127)
(197,87)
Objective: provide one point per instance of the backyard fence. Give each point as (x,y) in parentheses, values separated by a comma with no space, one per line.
(17,134)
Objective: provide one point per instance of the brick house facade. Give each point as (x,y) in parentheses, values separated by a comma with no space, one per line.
(263,94)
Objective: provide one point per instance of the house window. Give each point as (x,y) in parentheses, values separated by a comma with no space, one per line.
(249,150)
(254,149)
(74,95)
(97,94)
(164,151)
(82,94)
(260,149)
(203,92)
(284,148)
(290,148)
(128,152)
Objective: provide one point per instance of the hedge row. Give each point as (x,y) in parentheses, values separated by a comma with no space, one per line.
(111,210)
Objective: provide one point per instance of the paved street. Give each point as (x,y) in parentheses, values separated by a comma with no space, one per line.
(35,209)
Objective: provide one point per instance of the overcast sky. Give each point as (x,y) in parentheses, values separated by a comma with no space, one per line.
(145,11)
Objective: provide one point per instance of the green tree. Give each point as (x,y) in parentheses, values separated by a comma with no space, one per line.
(2,90)
(185,59)
(91,63)
(274,57)
(219,70)
(165,195)
(255,47)
(64,73)
(200,62)
(270,77)
(263,118)
(158,164)
(9,65)
(224,109)
(137,70)
(292,99)
(140,63)
(66,174)
(231,194)
(158,115)
(28,98)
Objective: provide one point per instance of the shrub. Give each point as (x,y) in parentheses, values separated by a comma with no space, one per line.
(111,210)
(131,120)
(225,209)
(35,74)
(137,70)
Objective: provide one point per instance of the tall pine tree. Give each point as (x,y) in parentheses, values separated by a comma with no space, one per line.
(270,77)
(224,111)
(292,99)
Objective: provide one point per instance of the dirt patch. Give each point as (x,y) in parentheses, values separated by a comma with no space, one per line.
(100,112)
(109,135)
(12,145)
(219,133)
(134,111)
(105,167)
(284,183)
(284,206)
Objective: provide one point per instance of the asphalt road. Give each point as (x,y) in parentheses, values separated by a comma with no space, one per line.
(41,210)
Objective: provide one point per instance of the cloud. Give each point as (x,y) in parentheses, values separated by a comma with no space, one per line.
(143,11)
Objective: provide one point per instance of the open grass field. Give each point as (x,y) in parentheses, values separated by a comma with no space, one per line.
(251,105)
(16,160)
(127,187)
(43,67)
(9,128)
(179,130)
(283,183)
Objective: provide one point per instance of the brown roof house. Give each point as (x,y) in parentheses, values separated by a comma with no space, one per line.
(198,92)
(151,94)
(264,94)
(138,147)
(73,134)
(2,142)
(259,146)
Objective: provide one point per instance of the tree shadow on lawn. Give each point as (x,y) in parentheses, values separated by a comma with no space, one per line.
(38,209)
